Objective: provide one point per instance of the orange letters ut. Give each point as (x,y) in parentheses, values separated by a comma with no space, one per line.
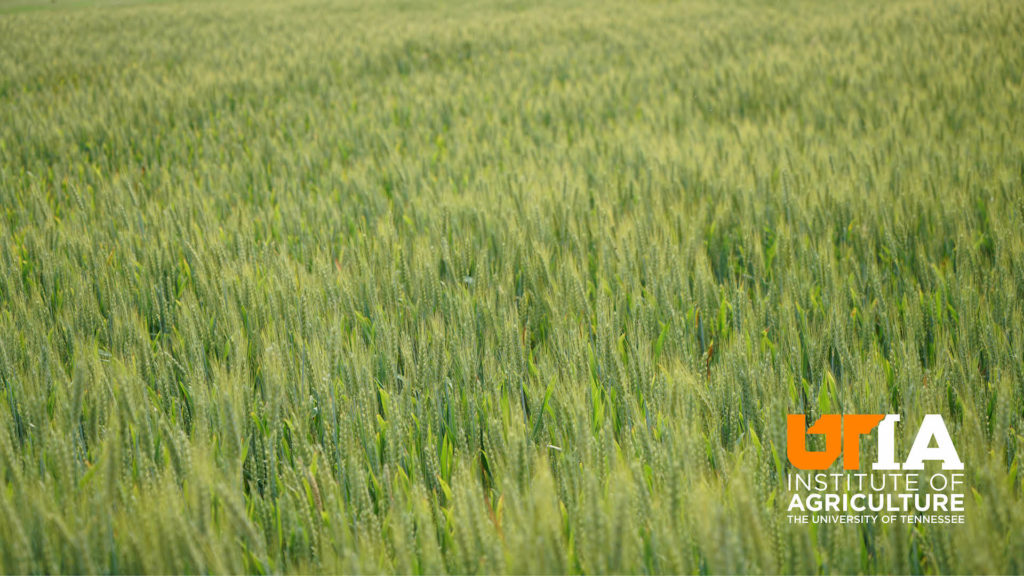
(853,427)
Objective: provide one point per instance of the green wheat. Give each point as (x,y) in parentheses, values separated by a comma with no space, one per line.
(509,286)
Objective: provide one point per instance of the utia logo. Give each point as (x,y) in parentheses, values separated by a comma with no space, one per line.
(842,435)
(892,491)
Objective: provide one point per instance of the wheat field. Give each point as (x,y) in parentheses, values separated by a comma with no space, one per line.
(339,286)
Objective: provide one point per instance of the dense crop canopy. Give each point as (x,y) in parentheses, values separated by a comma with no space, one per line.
(425,287)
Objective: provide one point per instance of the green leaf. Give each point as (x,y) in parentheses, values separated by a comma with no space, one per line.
(660,342)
